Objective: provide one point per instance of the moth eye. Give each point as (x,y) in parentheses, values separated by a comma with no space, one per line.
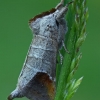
(49,26)
(57,23)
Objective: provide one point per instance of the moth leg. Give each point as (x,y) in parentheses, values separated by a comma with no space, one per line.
(61,57)
(60,5)
(63,44)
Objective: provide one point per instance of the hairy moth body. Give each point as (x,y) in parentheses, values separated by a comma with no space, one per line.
(37,78)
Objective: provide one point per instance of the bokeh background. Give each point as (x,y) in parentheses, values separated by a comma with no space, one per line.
(15,38)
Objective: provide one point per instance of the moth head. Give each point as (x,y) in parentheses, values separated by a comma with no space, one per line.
(38,23)
(48,25)
(34,22)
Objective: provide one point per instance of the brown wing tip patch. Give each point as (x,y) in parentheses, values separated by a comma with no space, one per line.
(42,14)
(48,83)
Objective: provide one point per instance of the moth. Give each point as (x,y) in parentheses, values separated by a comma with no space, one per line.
(37,78)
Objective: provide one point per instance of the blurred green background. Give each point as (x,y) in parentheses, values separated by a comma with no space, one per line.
(15,38)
